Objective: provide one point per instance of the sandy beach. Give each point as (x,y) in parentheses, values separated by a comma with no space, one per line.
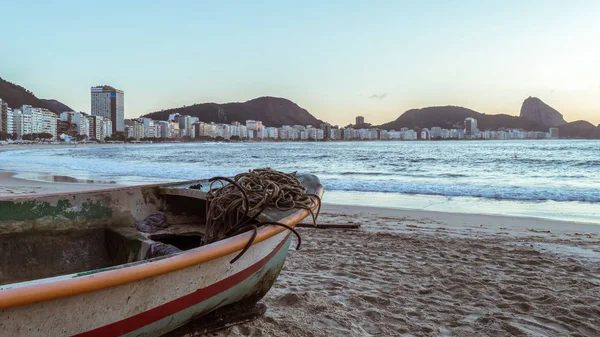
(422,273)
(417,273)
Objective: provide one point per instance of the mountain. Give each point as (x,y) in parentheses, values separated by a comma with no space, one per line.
(579,129)
(450,117)
(56,106)
(272,111)
(535,110)
(17,96)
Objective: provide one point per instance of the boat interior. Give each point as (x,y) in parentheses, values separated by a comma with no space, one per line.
(46,253)
(61,244)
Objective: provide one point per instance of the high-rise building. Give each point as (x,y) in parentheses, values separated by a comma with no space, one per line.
(76,123)
(470,127)
(109,103)
(435,132)
(360,120)
(5,120)
(256,127)
(326,127)
(185,124)
(554,133)
(29,120)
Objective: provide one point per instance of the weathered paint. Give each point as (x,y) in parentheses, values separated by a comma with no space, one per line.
(243,291)
(149,301)
(33,209)
(91,209)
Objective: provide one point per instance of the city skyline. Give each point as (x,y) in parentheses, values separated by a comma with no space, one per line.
(486,57)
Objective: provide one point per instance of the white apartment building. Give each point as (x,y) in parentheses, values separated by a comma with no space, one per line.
(151,128)
(79,121)
(223,130)
(238,130)
(271,133)
(6,120)
(471,130)
(107,128)
(256,127)
(435,132)
(29,120)
(99,127)
(21,124)
(185,124)
(135,129)
(164,129)
(109,103)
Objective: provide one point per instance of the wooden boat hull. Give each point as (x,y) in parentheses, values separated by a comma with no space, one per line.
(147,298)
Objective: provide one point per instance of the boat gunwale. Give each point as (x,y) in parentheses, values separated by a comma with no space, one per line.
(98,190)
(34,293)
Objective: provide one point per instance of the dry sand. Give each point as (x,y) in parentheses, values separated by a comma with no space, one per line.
(416,273)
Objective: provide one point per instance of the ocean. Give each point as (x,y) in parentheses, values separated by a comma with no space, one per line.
(557,179)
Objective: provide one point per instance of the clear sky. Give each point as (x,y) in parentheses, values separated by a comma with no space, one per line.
(337,59)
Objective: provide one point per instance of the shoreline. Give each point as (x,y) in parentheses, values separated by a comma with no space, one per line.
(24,184)
(491,223)
(31,183)
(15,147)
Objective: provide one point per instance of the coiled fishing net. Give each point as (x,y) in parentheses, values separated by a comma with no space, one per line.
(234,204)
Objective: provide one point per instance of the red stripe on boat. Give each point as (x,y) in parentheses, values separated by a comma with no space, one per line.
(148,317)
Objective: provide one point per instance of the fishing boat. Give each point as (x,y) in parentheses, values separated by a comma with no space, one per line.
(73,264)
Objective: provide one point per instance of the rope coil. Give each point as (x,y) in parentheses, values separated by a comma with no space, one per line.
(237,202)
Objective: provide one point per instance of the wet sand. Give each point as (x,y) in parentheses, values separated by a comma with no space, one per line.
(11,186)
(417,273)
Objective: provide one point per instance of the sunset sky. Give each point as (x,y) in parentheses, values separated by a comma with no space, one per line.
(337,59)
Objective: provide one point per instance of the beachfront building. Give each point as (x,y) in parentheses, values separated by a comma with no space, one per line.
(99,127)
(205,130)
(471,130)
(135,129)
(151,127)
(168,129)
(271,133)
(223,131)
(435,133)
(314,133)
(6,120)
(326,127)
(255,128)
(186,124)
(76,123)
(29,120)
(238,130)
(553,133)
(109,103)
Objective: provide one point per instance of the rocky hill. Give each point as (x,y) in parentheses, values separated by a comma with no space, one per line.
(579,129)
(56,106)
(272,111)
(450,117)
(535,110)
(16,96)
